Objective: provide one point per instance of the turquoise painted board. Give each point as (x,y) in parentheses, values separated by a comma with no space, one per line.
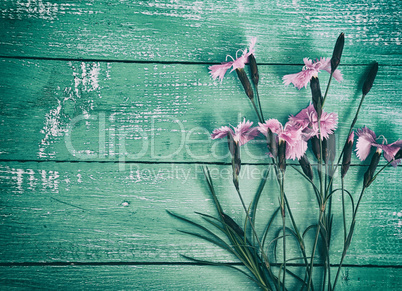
(106,111)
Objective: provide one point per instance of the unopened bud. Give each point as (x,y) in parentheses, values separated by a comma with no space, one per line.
(306,167)
(347,154)
(398,155)
(245,82)
(368,176)
(316,95)
(282,155)
(325,153)
(271,141)
(331,147)
(315,146)
(254,70)
(370,79)
(336,55)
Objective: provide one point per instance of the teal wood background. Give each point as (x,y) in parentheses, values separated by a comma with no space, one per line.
(105,113)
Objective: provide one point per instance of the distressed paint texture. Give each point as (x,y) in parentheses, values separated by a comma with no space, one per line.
(106,108)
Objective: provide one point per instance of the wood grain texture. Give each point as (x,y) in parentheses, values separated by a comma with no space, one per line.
(80,111)
(168,278)
(106,108)
(202,31)
(90,212)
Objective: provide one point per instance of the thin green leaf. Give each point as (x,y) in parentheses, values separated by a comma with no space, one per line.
(308,228)
(347,192)
(220,243)
(269,225)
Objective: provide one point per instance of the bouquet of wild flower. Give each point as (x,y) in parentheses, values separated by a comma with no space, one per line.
(311,126)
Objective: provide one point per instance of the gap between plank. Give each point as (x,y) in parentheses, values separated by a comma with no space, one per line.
(50,264)
(161,62)
(162,162)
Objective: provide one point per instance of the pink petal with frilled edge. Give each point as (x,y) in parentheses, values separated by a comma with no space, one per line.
(366,138)
(390,150)
(273,124)
(299,80)
(221,132)
(243,127)
(251,46)
(244,133)
(291,134)
(240,62)
(304,117)
(246,136)
(328,123)
(297,150)
(219,71)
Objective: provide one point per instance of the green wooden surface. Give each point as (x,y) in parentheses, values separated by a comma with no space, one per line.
(201,31)
(105,113)
(153,112)
(185,277)
(86,212)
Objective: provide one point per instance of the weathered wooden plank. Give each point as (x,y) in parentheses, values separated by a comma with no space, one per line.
(169,277)
(202,31)
(91,212)
(158,112)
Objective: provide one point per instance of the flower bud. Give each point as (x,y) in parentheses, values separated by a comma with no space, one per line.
(347,154)
(316,95)
(315,146)
(336,55)
(231,144)
(398,155)
(271,140)
(254,70)
(245,82)
(331,147)
(370,79)
(306,167)
(368,176)
(325,153)
(282,155)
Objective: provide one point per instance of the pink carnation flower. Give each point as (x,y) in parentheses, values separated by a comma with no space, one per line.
(367,139)
(241,134)
(311,69)
(219,71)
(307,119)
(296,146)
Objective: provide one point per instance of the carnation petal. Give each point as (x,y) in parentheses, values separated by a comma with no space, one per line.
(219,71)
(366,139)
(390,150)
(273,124)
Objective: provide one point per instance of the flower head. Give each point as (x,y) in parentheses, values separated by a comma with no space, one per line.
(219,71)
(311,69)
(367,139)
(241,134)
(296,146)
(307,119)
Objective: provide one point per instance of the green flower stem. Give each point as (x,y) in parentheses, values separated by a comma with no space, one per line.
(326,91)
(348,239)
(314,248)
(357,113)
(283,226)
(265,258)
(321,205)
(259,103)
(343,209)
(256,111)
